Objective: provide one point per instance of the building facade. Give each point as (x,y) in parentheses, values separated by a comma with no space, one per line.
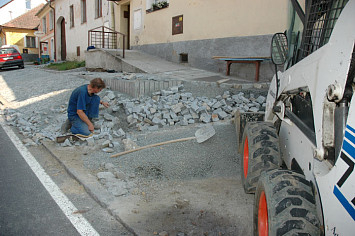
(73,20)
(183,31)
(46,27)
(21,32)
(194,31)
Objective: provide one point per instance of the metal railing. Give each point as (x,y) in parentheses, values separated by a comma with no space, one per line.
(104,37)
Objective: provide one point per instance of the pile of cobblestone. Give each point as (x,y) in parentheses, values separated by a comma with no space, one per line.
(172,107)
(175,107)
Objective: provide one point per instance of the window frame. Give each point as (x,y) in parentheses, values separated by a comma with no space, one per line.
(51,19)
(71,16)
(98,9)
(83,7)
(44,24)
(30,42)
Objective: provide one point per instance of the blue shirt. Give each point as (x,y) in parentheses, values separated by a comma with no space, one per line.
(79,100)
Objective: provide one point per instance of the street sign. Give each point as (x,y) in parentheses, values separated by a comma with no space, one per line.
(39,33)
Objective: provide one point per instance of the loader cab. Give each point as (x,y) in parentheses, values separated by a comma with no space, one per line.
(310,25)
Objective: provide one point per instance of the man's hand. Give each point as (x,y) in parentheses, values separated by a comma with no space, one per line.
(91,127)
(105,104)
(84,118)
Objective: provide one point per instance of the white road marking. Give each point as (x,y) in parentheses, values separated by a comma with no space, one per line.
(79,222)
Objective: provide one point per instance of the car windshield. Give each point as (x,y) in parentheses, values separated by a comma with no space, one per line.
(7,50)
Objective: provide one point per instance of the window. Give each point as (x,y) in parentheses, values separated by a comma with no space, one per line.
(51,19)
(71,17)
(83,11)
(44,25)
(150,4)
(98,8)
(30,42)
(28,4)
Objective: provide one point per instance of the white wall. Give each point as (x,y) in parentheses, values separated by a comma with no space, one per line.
(77,36)
(15,9)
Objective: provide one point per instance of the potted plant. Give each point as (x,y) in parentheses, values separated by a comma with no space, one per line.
(162,4)
(159,5)
(155,6)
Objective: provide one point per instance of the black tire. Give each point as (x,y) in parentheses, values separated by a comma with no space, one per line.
(288,200)
(260,152)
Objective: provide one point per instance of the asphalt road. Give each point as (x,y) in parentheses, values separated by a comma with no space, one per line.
(26,208)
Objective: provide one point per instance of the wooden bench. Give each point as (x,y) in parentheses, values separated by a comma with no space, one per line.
(253,60)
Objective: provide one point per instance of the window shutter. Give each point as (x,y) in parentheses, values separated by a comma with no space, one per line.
(36,42)
(24,39)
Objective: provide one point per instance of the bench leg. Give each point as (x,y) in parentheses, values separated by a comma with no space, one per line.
(257,71)
(228,71)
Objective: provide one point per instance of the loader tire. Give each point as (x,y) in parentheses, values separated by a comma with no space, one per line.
(284,205)
(260,152)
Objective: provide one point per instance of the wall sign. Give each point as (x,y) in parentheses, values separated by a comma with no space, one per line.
(178,22)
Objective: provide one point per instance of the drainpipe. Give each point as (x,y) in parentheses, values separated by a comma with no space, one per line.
(55,40)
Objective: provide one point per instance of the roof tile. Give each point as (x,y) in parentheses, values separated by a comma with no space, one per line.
(29,20)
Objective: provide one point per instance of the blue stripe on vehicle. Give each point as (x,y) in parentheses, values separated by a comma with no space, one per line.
(349,136)
(346,204)
(347,147)
(350,128)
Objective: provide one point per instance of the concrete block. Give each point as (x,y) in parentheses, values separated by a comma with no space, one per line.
(217,105)
(260,99)
(222,115)
(214,117)
(205,118)
(111,95)
(156,121)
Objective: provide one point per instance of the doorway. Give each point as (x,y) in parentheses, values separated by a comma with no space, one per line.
(62,40)
(125,24)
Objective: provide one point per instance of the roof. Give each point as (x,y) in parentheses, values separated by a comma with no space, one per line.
(4,2)
(42,9)
(29,20)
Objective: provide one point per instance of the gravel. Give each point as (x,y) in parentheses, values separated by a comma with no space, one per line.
(168,114)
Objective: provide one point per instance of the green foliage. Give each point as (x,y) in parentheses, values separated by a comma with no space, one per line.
(68,65)
(160,5)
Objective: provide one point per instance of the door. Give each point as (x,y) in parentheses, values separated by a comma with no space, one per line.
(126,27)
(62,39)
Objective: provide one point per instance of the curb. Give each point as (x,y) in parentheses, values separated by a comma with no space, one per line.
(97,192)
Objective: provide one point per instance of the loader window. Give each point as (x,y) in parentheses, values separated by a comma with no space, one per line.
(311,30)
(294,36)
(321,17)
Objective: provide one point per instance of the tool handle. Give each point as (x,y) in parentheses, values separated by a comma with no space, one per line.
(153,145)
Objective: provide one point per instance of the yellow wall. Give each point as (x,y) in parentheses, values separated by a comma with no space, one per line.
(16,37)
(208,19)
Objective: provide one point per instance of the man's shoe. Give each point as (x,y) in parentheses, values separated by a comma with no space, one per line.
(65,127)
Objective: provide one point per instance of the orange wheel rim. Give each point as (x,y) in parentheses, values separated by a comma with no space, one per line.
(263,225)
(245,157)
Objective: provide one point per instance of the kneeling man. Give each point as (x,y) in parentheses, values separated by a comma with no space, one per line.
(83,107)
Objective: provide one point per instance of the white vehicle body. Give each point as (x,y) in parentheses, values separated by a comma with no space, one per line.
(326,67)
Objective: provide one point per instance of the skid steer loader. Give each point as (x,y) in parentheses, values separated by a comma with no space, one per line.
(298,157)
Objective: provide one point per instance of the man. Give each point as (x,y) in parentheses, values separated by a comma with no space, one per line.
(83,107)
